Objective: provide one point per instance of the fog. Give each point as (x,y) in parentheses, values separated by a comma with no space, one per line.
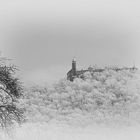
(41,35)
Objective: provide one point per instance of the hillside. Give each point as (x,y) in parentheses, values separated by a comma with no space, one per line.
(107,97)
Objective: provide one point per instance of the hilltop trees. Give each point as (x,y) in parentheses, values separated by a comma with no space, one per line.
(102,95)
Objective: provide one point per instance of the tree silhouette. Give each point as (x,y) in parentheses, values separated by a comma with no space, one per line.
(10,92)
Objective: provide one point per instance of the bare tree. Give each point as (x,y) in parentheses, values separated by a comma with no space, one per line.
(10,92)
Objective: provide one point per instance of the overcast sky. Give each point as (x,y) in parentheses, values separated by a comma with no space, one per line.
(43,36)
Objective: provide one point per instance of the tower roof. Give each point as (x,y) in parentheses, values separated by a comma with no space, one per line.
(74,59)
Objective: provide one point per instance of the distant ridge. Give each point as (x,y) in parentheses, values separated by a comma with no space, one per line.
(74,73)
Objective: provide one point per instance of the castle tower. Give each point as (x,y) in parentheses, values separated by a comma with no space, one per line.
(74,67)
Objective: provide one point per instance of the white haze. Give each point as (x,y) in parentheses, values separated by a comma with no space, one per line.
(42,36)
(64,132)
(39,34)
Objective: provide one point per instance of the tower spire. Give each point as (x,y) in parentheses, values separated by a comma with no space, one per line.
(74,59)
(74,66)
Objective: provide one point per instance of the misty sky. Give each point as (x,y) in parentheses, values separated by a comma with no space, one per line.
(42,37)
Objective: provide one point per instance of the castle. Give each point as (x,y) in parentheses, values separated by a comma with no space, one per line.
(73,73)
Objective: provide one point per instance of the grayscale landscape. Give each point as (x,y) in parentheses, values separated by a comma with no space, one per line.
(70,70)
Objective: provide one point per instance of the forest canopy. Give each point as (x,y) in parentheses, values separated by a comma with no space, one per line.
(105,96)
